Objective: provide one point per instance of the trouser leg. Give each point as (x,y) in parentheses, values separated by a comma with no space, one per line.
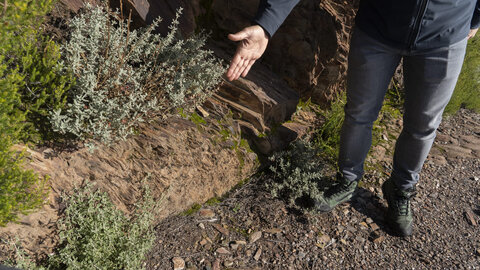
(430,79)
(370,68)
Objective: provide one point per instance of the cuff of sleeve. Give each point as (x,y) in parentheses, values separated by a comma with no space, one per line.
(266,21)
(475,21)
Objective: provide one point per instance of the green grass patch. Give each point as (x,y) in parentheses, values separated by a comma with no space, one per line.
(327,137)
(192,210)
(467,91)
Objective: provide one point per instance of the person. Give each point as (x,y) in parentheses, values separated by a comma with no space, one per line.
(430,36)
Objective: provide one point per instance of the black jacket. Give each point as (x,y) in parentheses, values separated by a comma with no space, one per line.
(405,24)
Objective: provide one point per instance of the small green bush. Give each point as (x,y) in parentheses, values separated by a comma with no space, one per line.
(20,190)
(96,235)
(20,20)
(44,87)
(296,173)
(125,76)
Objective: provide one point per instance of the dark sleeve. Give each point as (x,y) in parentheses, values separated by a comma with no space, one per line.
(272,13)
(476,17)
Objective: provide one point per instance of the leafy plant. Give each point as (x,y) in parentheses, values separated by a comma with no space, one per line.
(20,190)
(44,88)
(96,235)
(125,77)
(296,172)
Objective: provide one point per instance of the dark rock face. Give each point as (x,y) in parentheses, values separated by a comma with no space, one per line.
(309,50)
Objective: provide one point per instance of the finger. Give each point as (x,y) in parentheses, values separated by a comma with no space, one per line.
(233,65)
(237,68)
(242,69)
(238,36)
(247,69)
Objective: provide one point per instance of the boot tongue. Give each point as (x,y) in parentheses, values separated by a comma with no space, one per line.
(406,193)
(403,200)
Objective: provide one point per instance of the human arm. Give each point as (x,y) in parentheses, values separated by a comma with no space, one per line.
(254,39)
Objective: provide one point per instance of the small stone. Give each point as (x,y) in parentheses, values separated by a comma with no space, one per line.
(257,254)
(476,178)
(374,226)
(220,228)
(301,255)
(228,263)
(351,229)
(222,250)
(178,263)
(369,220)
(379,239)
(364,224)
(343,241)
(234,246)
(273,231)
(203,242)
(201,225)
(216,265)
(471,217)
(240,242)
(323,240)
(206,213)
(254,237)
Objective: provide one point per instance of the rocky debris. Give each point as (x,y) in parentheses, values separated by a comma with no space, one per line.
(206,213)
(220,228)
(471,217)
(257,255)
(443,235)
(178,263)
(254,237)
(222,250)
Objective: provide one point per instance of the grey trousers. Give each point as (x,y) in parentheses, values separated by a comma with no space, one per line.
(429,77)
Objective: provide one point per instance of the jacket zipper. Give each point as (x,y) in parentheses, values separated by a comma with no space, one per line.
(416,27)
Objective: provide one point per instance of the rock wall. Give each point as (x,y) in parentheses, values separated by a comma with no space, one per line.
(309,50)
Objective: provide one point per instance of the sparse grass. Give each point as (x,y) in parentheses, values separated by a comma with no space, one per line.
(327,137)
(467,91)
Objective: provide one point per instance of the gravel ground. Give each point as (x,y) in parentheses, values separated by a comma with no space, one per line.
(251,230)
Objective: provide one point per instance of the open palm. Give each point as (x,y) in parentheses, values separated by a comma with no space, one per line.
(252,44)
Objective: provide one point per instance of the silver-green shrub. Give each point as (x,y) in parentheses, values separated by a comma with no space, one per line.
(296,172)
(96,235)
(125,76)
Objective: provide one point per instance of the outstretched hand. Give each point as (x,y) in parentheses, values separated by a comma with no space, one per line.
(253,42)
(472,33)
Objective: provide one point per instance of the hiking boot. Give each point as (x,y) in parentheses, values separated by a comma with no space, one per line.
(338,193)
(399,214)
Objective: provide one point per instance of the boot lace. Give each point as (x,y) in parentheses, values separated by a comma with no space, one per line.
(338,189)
(402,202)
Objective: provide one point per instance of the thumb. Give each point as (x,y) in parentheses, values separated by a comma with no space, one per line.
(238,36)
